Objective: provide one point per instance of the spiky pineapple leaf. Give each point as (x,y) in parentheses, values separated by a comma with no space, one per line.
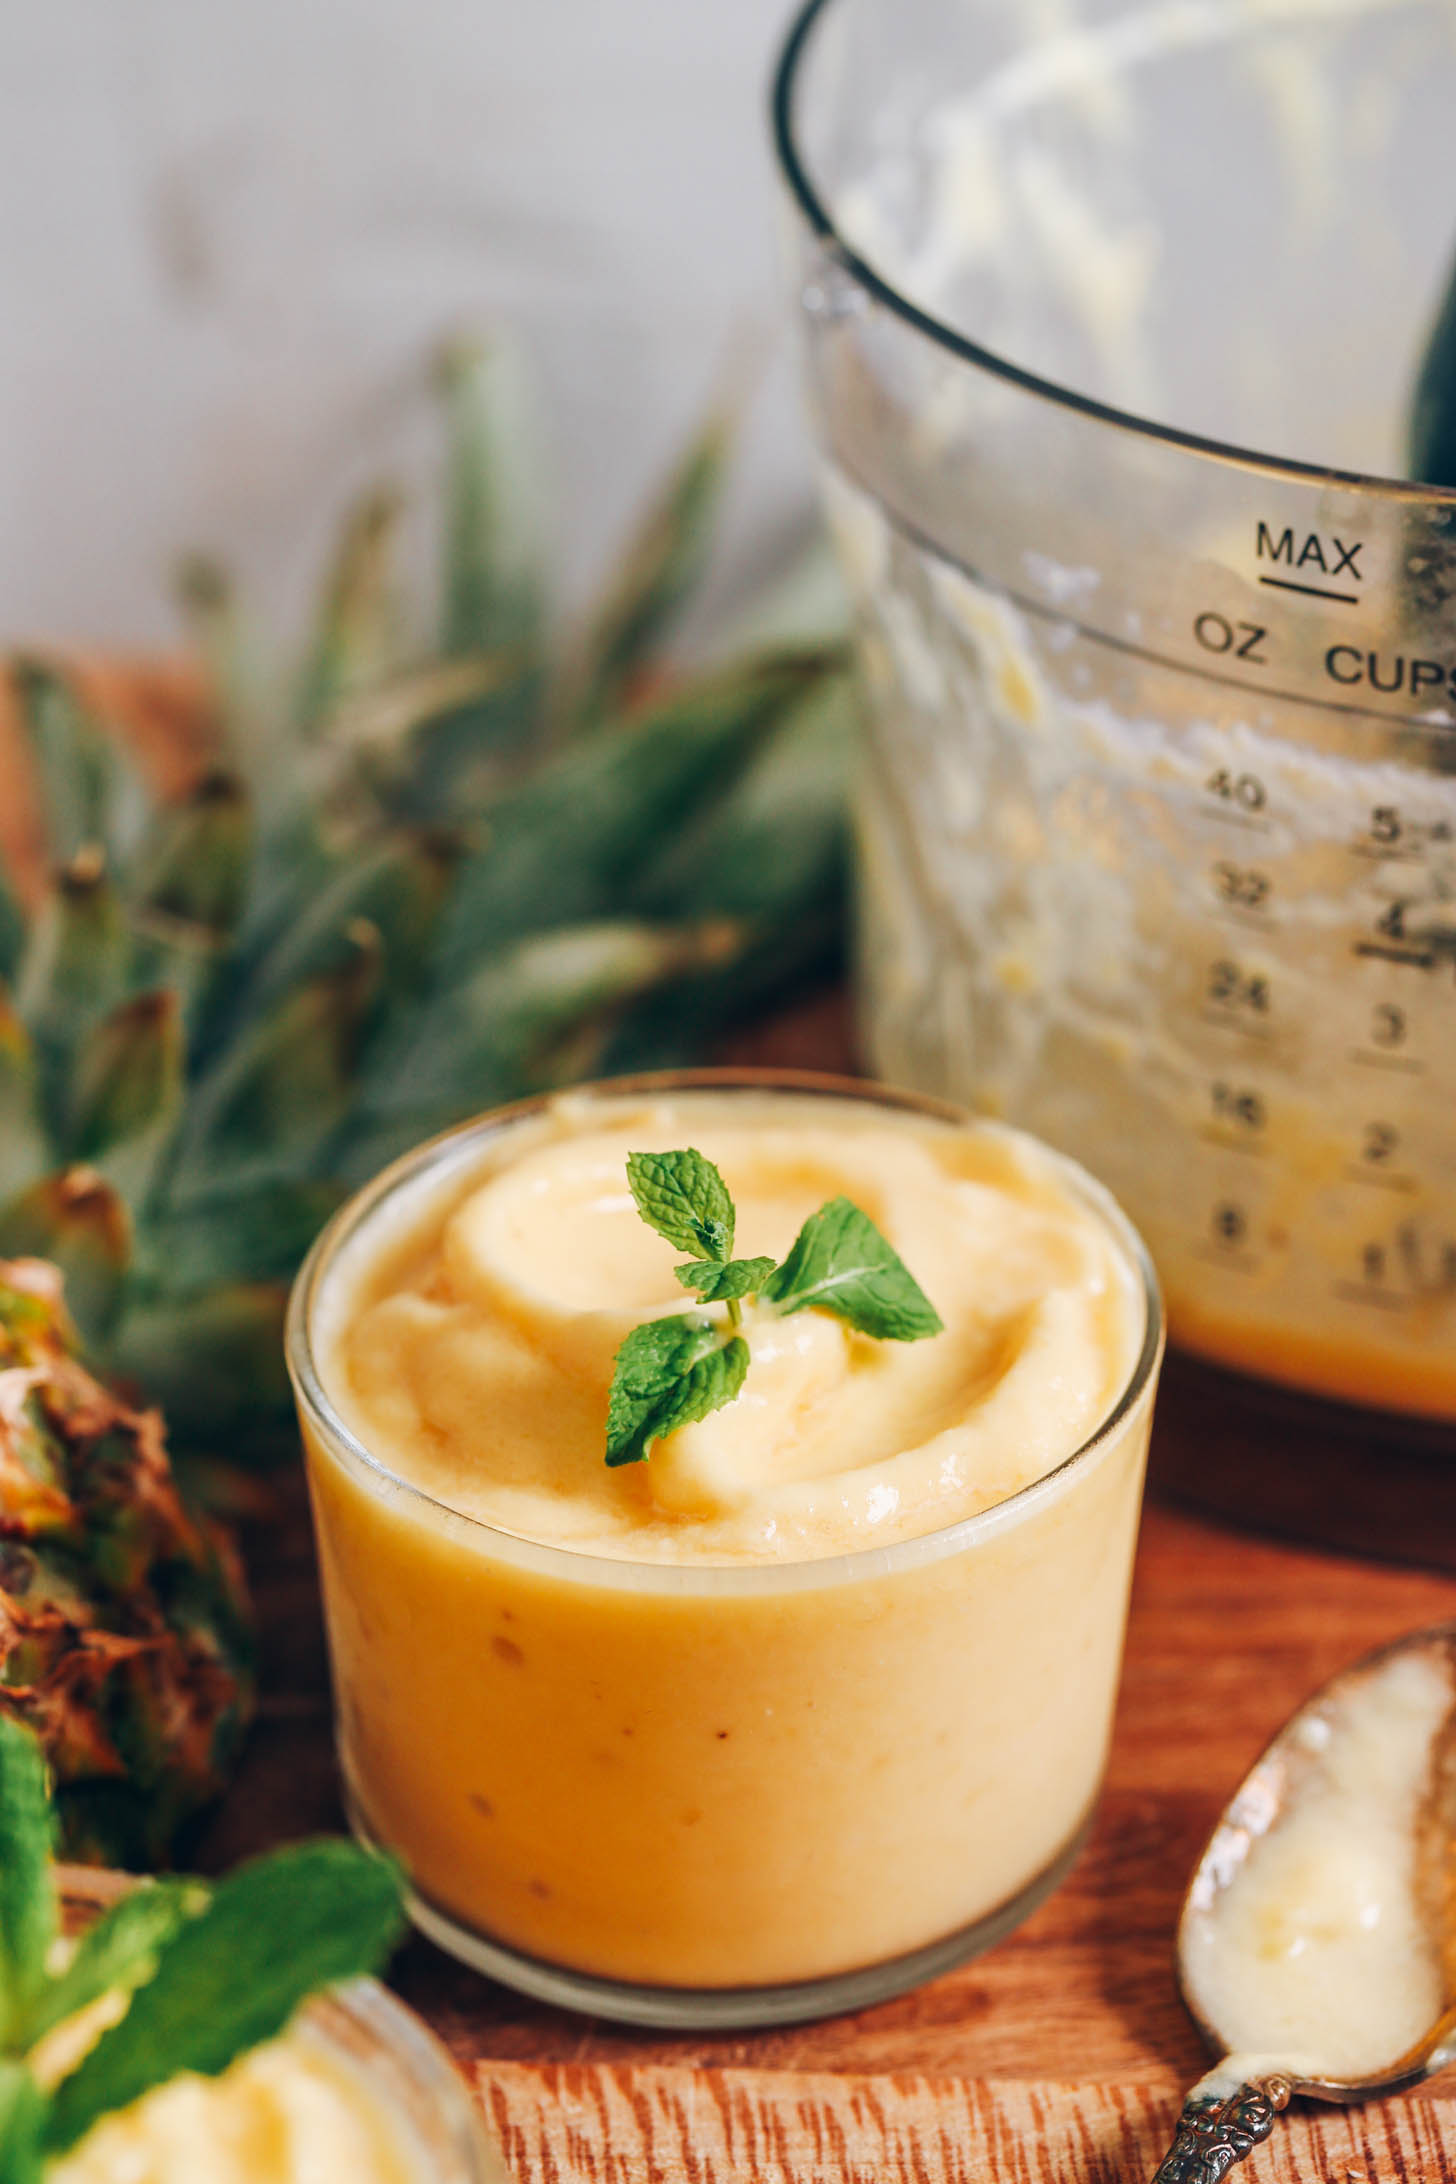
(117,1952)
(128,1090)
(430,745)
(778,837)
(12,929)
(79,1222)
(356,637)
(76,966)
(663,559)
(493,544)
(277,1094)
(456,757)
(399,885)
(90,792)
(194,872)
(78,950)
(541,1012)
(255,1233)
(572,842)
(24,1147)
(27,1899)
(225,645)
(213,1362)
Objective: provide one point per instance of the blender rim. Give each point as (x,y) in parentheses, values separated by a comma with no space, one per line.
(793,166)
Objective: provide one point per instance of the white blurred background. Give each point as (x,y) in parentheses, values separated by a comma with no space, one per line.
(230,235)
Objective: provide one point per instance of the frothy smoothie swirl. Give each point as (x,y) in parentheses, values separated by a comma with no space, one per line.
(476,1356)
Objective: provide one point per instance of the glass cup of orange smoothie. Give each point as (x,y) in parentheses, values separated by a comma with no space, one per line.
(815,1702)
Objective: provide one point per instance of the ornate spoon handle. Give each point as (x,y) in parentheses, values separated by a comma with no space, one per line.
(1214,2134)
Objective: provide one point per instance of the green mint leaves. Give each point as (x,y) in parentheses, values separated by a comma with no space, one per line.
(270,1935)
(841,1263)
(670,1372)
(685,1199)
(718,1284)
(28,1916)
(212,1969)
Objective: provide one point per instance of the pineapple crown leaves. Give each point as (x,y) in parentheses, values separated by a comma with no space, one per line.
(408,885)
(203,1970)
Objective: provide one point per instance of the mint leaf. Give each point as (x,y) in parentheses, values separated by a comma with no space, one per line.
(119,1950)
(273,1933)
(841,1263)
(27,1893)
(707,1386)
(713,1282)
(649,1366)
(22,2123)
(668,1373)
(685,1199)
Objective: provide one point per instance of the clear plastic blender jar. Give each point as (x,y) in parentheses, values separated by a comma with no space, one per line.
(1111,316)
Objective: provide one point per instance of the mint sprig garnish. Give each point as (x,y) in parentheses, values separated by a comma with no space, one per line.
(685,1199)
(211,1969)
(670,1372)
(726,1283)
(841,1263)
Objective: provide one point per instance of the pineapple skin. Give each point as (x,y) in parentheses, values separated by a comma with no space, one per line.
(125,1626)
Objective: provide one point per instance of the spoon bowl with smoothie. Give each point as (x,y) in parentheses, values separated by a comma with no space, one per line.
(1317,1944)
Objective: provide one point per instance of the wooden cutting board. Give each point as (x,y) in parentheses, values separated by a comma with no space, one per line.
(598,2124)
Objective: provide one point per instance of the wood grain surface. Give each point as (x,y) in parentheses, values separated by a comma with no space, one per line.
(564,2122)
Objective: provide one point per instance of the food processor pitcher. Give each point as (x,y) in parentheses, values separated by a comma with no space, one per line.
(1111,317)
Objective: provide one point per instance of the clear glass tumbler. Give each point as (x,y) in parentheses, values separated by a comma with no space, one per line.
(1110,318)
(699,1794)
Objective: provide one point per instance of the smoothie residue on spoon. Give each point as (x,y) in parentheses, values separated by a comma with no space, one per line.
(1306,1947)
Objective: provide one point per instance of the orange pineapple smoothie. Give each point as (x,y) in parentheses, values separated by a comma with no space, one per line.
(824,1684)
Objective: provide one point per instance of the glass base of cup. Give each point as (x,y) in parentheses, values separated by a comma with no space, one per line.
(723,2009)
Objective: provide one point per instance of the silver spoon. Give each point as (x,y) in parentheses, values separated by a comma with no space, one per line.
(1232,2110)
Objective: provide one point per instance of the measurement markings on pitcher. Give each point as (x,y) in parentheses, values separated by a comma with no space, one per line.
(1395,1273)
(1237,997)
(1395,942)
(1227,1244)
(1378,1160)
(1315,556)
(1325,566)
(1388,1042)
(1237,799)
(1237,1117)
(1394,836)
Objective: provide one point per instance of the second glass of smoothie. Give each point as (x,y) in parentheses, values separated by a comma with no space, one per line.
(813,1703)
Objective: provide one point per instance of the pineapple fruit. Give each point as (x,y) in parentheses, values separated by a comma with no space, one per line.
(416,878)
(125,1639)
